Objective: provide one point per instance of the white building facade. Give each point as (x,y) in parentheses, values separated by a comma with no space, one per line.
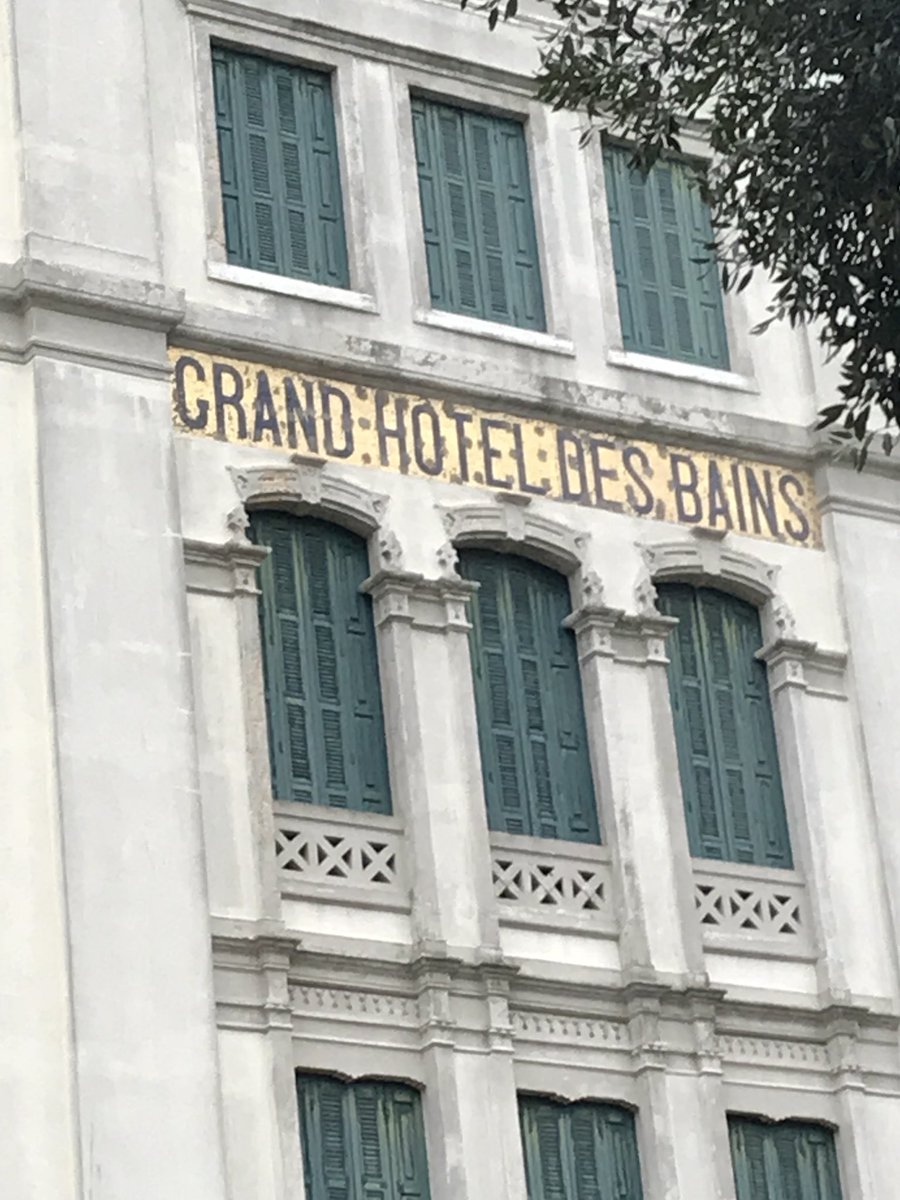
(601,907)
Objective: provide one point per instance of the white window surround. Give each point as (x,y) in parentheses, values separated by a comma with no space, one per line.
(286,285)
(673,368)
(495,331)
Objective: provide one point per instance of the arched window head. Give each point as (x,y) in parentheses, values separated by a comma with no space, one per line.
(531,727)
(323,699)
(727,753)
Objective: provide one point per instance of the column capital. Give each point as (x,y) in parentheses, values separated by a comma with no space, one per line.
(435,604)
(796,663)
(603,632)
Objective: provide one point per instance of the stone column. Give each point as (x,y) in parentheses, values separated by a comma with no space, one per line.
(139,940)
(635,760)
(834,838)
(436,782)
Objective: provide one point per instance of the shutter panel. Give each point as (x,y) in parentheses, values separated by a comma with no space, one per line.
(430,184)
(324,1132)
(588,1149)
(224,72)
(477,215)
(542,1140)
(284,661)
(616,178)
(325,175)
(724,672)
(259,164)
(487,191)
(773,846)
(531,649)
(523,263)
(498,732)
(621,1137)
(363,718)
(748,1160)
(679,272)
(690,713)
(371,1142)
(573,783)
(712,342)
(281,190)
(409,1167)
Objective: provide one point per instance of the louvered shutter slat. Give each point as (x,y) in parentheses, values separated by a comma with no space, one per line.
(706,288)
(617,205)
(279,167)
(588,1147)
(325,1139)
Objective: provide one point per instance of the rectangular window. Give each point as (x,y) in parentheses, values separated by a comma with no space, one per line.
(477,215)
(361,1141)
(791,1160)
(670,301)
(278,159)
(582,1151)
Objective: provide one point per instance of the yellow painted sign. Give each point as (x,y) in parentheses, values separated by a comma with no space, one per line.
(254,404)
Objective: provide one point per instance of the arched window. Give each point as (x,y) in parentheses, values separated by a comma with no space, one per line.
(723,726)
(323,698)
(582,1151)
(787,1160)
(534,755)
(362,1140)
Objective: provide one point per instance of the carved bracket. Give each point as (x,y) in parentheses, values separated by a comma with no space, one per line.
(307,485)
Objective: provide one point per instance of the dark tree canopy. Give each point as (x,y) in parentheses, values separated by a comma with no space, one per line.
(799,101)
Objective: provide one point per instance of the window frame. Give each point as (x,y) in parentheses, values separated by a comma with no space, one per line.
(508,104)
(343,70)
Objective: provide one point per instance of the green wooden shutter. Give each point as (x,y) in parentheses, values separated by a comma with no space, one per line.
(361,1141)
(477,215)
(325,1135)
(532,734)
(790,1160)
(279,168)
(323,697)
(582,1151)
(690,711)
(670,302)
(724,730)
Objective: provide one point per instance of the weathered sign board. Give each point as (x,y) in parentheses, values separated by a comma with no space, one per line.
(254,404)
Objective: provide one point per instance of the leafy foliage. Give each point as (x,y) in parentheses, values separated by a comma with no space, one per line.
(800,103)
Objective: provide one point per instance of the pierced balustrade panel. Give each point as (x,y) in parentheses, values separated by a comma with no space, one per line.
(342,856)
(743,909)
(543,882)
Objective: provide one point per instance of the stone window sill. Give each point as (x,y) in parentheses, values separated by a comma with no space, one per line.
(495,331)
(283,285)
(673,369)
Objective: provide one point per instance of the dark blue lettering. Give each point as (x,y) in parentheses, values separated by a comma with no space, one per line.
(265,418)
(598,445)
(460,420)
(686,487)
(228,399)
(326,394)
(801,532)
(761,501)
(645,505)
(570,453)
(718,497)
(305,414)
(396,432)
(434,464)
(534,489)
(198,420)
(491,452)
